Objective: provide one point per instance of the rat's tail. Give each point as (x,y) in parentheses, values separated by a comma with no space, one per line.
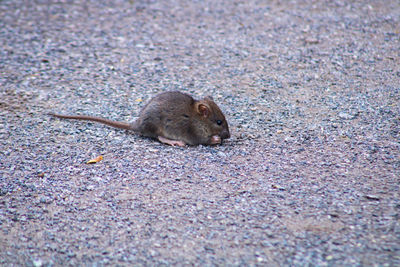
(115,124)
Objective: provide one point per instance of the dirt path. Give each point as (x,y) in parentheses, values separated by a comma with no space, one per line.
(310,176)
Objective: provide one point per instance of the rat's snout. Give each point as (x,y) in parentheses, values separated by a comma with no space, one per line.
(225,134)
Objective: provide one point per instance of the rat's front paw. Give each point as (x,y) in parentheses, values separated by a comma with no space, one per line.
(215,140)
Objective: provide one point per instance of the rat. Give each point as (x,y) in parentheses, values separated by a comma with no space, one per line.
(174,118)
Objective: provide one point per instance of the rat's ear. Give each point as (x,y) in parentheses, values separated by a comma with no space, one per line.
(209,98)
(203,109)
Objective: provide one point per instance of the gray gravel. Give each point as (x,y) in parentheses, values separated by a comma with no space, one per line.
(310,177)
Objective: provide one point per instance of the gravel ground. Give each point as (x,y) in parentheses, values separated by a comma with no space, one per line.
(310,177)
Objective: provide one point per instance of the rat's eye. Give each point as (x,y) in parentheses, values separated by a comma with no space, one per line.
(219,122)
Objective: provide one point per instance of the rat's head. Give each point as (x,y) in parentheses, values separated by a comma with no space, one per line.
(214,126)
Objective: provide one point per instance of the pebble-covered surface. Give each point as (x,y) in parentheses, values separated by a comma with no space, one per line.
(310,177)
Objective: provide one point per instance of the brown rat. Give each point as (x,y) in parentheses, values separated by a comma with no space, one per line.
(175,118)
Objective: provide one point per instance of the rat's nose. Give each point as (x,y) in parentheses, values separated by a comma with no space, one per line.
(225,134)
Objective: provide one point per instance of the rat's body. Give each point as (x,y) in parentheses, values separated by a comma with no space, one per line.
(176,119)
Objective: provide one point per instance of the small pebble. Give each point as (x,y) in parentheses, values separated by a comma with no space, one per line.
(346,116)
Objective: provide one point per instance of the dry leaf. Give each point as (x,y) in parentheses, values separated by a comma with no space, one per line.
(139,100)
(95,160)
